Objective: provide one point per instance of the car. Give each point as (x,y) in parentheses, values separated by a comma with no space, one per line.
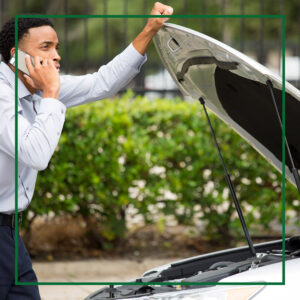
(247,96)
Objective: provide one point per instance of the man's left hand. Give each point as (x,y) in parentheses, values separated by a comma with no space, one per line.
(153,25)
(158,9)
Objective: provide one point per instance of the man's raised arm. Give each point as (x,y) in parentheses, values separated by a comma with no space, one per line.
(143,40)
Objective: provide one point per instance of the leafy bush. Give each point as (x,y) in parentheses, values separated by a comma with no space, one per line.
(159,158)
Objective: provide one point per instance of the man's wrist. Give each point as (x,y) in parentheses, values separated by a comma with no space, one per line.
(143,40)
(51,93)
(149,31)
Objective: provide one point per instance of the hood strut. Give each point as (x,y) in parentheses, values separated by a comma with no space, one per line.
(293,168)
(229,182)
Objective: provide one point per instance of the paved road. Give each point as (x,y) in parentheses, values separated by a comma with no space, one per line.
(88,271)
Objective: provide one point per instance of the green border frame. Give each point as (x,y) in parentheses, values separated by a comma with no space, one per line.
(282,17)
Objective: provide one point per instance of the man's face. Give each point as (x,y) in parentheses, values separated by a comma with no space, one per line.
(41,41)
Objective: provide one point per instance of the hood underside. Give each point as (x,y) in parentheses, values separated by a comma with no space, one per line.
(234,88)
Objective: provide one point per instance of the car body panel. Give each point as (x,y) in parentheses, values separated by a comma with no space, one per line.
(273,273)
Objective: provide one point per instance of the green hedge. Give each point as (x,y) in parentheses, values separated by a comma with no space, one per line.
(121,152)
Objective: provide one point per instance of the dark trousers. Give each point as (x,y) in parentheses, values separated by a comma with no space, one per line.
(8,289)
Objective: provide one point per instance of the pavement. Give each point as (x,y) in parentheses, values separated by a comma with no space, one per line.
(95,270)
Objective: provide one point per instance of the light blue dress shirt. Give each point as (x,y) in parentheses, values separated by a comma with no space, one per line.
(40,120)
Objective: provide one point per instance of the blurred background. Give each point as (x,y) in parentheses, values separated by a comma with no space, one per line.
(88,43)
(140,176)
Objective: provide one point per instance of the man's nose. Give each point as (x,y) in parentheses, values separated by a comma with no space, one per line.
(56,56)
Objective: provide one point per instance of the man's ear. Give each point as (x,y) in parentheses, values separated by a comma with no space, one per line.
(12,51)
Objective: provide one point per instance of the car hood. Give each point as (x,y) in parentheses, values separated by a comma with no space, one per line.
(234,88)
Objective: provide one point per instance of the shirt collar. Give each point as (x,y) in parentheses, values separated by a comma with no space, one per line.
(10,76)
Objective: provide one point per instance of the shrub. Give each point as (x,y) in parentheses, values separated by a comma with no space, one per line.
(159,158)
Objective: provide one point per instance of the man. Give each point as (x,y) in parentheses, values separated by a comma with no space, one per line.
(43,98)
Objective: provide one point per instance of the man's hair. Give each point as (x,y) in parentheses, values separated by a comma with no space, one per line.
(7,33)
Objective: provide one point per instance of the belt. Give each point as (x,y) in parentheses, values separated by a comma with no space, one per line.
(9,220)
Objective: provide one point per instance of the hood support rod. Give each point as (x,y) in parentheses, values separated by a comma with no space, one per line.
(230,185)
(293,168)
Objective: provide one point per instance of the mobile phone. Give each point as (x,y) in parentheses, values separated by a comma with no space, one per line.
(21,61)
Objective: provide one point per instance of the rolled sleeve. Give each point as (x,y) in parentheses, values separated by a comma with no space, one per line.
(106,82)
(133,57)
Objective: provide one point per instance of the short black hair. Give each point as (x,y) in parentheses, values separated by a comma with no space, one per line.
(7,33)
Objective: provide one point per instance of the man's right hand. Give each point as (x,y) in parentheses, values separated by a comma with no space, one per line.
(43,76)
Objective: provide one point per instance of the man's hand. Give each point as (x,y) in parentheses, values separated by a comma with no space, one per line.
(153,25)
(159,9)
(43,76)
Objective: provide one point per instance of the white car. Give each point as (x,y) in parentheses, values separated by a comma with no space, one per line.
(225,267)
(246,96)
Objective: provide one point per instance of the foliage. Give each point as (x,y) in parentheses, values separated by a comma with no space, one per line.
(159,158)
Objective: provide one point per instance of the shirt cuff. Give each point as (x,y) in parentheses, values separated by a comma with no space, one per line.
(133,57)
(52,105)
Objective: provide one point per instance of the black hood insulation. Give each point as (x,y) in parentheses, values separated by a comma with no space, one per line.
(249,104)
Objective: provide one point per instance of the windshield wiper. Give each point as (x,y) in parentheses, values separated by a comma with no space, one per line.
(230,185)
(129,291)
(215,275)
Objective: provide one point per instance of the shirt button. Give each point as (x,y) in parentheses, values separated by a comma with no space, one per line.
(27,189)
(62,111)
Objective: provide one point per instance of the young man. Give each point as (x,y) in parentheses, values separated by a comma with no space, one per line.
(43,98)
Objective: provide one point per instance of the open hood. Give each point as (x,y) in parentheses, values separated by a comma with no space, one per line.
(234,88)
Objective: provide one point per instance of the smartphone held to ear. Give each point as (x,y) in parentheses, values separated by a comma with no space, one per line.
(21,61)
